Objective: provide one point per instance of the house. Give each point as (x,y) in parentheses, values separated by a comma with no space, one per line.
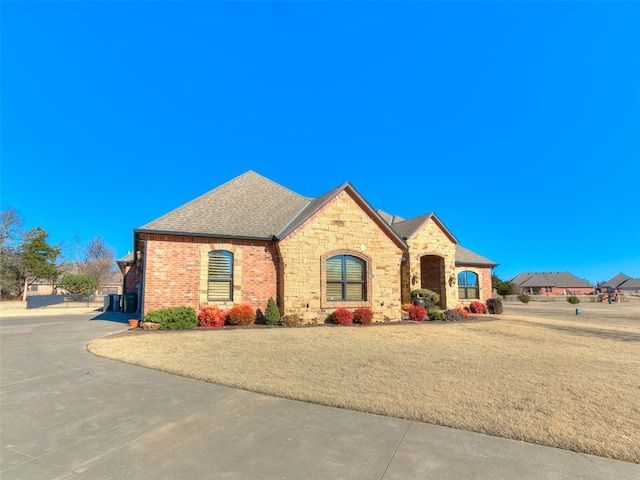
(551,283)
(623,283)
(251,238)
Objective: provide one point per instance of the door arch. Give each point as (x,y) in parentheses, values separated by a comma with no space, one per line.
(432,276)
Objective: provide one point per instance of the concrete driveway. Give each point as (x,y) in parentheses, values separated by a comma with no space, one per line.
(65,413)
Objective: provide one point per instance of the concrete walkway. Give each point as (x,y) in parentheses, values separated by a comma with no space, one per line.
(65,413)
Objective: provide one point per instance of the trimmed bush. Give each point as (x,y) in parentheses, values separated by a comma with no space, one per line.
(210,317)
(363,315)
(453,316)
(173,318)
(292,320)
(572,299)
(464,311)
(494,305)
(435,315)
(431,298)
(477,307)
(272,313)
(524,298)
(342,316)
(241,315)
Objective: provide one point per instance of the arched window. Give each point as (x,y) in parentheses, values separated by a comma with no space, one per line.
(220,277)
(346,279)
(468,285)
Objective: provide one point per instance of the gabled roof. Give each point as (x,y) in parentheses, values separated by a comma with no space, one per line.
(617,280)
(317,204)
(549,279)
(390,219)
(465,256)
(407,228)
(632,283)
(248,206)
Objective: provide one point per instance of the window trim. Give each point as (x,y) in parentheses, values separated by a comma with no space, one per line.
(466,286)
(367,282)
(226,279)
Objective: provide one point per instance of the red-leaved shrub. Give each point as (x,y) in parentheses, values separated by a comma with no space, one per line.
(417,313)
(363,315)
(210,317)
(462,311)
(342,316)
(241,315)
(477,307)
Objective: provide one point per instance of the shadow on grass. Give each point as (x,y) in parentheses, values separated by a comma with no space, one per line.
(592,332)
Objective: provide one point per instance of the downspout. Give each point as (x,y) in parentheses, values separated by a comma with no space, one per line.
(141,285)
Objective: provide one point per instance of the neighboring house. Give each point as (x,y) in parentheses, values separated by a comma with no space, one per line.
(624,283)
(551,283)
(250,239)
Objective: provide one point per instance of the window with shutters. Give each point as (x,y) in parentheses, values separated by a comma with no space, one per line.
(220,277)
(468,285)
(345,279)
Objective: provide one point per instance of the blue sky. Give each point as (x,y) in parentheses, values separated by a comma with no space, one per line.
(517,123)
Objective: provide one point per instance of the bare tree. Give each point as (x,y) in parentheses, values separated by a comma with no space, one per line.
(10,227)
(11,237)
(99,260)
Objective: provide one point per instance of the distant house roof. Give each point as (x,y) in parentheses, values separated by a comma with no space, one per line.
(617,280)
(631,284)
(465,256)
(248,206)
(549,279)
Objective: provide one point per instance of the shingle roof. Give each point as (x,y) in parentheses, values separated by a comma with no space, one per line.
(465,256)
(390,219)
(407,228)
(248,206)
(617,280)
(549,279)
(632,283)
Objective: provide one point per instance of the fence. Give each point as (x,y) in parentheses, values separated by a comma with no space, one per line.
(39,301)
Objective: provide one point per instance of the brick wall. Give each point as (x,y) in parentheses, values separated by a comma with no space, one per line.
(174,265)
(341,226)
(484,282)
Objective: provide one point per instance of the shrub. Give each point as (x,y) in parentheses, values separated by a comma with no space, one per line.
(292,320)
(272,313)
(453,316)
(241,315)
(477,307)
(524,298)
(431,298)
(435,315)
(494,305)
(573,299)
(78,284)
(342,316)
(417,313)
(463,311)
(173,318)
(363,315)
(210,317)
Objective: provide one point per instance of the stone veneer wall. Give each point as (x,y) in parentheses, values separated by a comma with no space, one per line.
(341,226)
(431,240)
(174,269)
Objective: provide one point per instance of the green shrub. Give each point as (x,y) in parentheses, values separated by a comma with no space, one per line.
(272,313)
(524,298)
(573,299)
(78,284)
(241,315)
(435,315)
(292,320)
(173,318)
(494,305)
(431,299)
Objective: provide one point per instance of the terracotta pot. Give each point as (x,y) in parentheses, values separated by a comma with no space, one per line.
(133,322)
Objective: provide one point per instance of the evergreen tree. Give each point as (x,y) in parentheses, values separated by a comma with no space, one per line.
(272,313)
(37,259)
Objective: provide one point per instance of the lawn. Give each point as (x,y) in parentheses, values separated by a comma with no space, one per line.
(538,373)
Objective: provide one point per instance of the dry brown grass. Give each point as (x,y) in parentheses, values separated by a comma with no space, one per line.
(552,379)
